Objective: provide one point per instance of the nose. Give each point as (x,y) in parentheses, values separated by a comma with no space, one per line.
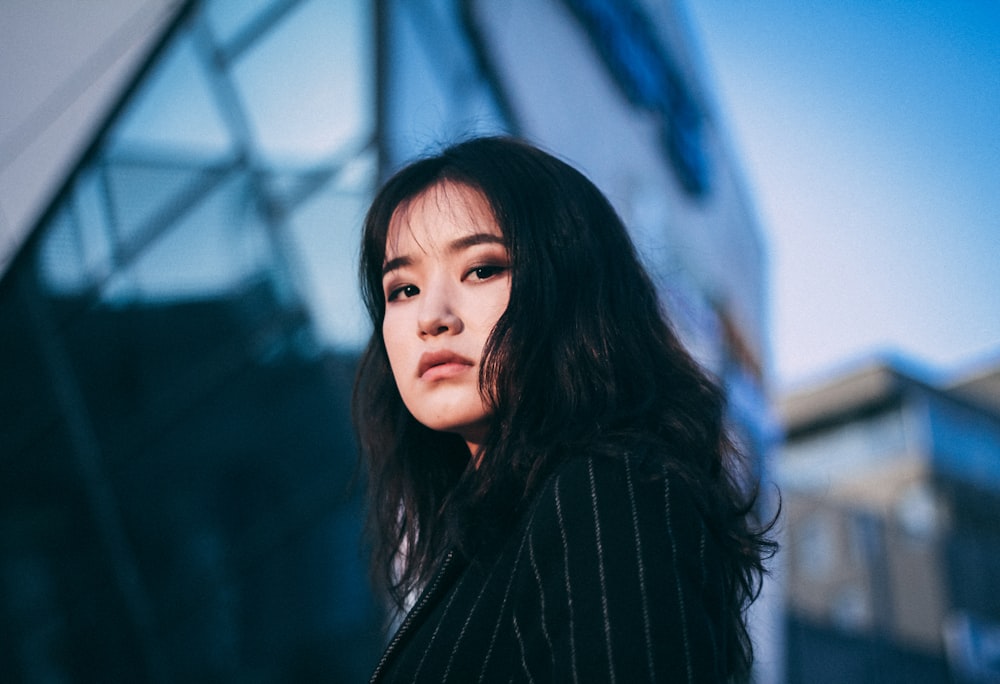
(437,313)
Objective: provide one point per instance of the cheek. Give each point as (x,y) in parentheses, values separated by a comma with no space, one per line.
(497,306)
(394,348)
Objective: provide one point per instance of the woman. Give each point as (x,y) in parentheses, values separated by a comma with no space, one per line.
(548,468)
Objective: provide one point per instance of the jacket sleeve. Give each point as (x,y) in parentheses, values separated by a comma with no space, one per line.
(618,580)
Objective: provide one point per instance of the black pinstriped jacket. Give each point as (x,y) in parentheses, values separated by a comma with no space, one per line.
(610,577)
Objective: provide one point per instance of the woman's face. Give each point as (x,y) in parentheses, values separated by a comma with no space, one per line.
(446,281)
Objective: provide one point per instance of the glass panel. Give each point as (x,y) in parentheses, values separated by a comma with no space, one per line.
(358,175)
(415,92)
(481,112)
(435,92)
(76,250)
(284,187)
(59,258)
(326,234)
(182,358)
(217,246)
(228,17)
(138,192)
(306,86)
(175,112)
(90,209)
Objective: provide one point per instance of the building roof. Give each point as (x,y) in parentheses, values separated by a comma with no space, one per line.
(981,386)
(876,382)
(857,390)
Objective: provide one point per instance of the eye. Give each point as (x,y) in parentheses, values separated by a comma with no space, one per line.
(487,272)
(405,291)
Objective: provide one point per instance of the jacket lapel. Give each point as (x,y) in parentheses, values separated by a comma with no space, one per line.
(442,580)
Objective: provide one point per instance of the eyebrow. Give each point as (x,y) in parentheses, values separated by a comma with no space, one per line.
(456,245)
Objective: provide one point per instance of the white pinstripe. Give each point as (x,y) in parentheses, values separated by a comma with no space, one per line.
(642,571)
(465,625)
(503,604)
(600,571)
(677,581)
(541,597)
(569,591)
(437,628)
(520,643)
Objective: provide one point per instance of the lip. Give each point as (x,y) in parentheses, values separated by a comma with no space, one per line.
(440,364)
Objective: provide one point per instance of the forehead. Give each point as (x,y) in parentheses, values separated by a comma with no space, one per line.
(441,213)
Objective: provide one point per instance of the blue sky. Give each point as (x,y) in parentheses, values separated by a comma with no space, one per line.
(869,134)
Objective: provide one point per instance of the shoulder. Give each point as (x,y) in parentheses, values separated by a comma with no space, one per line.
(593,503)
(620,564)
(606,485)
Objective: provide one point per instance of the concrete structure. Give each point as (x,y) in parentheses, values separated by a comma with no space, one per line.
(891,493)
(179,315)
(64,66)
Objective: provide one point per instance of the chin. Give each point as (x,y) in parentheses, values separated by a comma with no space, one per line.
(471,430)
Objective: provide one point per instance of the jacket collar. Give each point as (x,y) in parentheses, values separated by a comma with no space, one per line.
(442,580)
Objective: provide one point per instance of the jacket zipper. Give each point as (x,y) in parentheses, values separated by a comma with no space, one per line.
(425,598)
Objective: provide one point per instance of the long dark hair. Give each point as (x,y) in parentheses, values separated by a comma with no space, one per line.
(583,360)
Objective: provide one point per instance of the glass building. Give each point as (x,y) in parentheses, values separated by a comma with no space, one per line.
(179,331)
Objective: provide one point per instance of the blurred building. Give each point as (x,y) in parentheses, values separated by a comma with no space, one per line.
(891,495)
(180,319)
